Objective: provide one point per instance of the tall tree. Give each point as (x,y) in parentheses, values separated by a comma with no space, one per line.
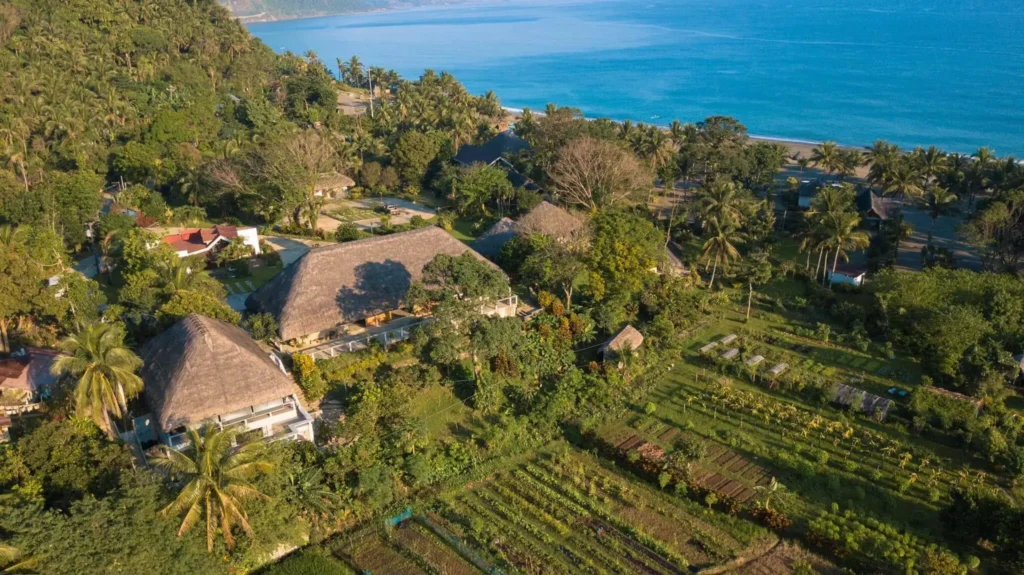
(827,157)
(842,234)
(759,272)
(293,166)
(596,174)
(105,369)
(218,476)
(720,247)
(938,201)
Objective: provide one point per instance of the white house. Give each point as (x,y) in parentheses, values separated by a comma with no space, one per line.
(198,241)
(204,371)
(849,275)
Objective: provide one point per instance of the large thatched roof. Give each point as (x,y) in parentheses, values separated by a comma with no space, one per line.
(348,282)
(546,218)
(201,368)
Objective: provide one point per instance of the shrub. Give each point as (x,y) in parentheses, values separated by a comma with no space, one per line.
(772,519)
(348,232)
(262,326)
(269,256)
(308,376)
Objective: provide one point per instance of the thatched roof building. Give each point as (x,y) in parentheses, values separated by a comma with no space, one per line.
(334,285)
(201,368)
(627,339)
(490,243)
(334,182)
(546,218)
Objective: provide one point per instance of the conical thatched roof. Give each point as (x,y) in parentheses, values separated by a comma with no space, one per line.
(627,338)
(343,283)
(491,242)
(546,218)
(549,219)
(201,368)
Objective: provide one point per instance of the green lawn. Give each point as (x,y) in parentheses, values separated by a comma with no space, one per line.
(256,278)
(468,229)
(441,410)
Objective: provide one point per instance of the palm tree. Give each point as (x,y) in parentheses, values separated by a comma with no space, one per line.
(826,156)
(12,560)
(105,370)
(677,133)
(719,201)
(218,482)
(881,156)
(720,248)
(625,129)
(307,491)
(176,274)
(904,181)
(843,235)
(929,163)
(938,202)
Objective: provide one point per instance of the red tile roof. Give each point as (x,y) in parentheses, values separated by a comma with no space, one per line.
(196,239)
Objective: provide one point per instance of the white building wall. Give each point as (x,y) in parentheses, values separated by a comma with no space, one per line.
(251,238)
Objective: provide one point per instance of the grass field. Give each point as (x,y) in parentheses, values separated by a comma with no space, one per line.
(441,410)
(256,278)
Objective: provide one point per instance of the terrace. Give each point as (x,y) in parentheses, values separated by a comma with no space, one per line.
(359,338)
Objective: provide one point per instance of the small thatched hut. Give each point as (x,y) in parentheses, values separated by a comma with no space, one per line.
(626,341)
(546,218)
(203,370)
(333,185)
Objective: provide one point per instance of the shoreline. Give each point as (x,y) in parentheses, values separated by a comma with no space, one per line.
(794,144)
(259,19)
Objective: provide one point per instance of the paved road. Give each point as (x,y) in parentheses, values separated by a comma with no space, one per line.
(290,249)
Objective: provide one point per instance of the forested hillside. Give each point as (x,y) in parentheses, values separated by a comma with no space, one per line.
(95,90)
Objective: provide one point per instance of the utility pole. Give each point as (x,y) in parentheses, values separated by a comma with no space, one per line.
(369,78)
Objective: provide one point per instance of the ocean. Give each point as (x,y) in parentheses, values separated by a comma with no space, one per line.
(948,73)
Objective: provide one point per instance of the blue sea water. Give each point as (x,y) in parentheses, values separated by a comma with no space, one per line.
(948,73)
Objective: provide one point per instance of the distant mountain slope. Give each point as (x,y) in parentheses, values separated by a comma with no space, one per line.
(257,10)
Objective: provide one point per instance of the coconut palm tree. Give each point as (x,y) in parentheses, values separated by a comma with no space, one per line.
(904,181)
(841,233)
(105,369)
(307,491)
(938,202)
(929,163)
(677,133)
(176,274)
(720,247)
(218,476)
(827,156)
(719,201)
(13,561)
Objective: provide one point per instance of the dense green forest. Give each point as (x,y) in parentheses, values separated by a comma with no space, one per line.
(171,109)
